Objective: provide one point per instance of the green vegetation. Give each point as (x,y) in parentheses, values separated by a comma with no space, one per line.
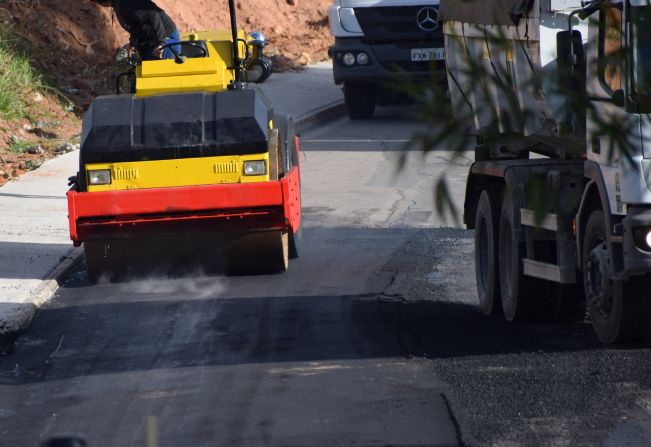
(18,145)
(18,78)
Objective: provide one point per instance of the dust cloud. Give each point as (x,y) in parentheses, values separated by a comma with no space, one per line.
(196,285)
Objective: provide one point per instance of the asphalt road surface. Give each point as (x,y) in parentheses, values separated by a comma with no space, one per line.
(372,338)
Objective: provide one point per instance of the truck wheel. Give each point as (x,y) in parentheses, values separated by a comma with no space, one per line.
(618,309)
(486,272)
(360,100)
(514,286)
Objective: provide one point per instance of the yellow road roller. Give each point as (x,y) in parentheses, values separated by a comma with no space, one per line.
(186,165)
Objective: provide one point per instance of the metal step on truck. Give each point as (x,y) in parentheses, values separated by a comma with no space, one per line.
(560,193)
(379,43)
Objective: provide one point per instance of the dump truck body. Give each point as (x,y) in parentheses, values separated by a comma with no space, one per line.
(560,192)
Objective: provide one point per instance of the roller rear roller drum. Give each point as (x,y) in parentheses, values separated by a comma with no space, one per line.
(287,158)
(157,255)
(104,261)
(295,244)
(258,253)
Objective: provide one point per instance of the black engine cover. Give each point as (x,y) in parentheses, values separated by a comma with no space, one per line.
(121,128)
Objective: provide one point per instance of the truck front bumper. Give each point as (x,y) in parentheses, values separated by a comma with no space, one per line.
(387,62)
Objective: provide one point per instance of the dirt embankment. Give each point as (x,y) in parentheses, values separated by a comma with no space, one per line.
(73,43)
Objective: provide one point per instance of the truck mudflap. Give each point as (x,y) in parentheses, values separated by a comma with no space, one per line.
(273,205)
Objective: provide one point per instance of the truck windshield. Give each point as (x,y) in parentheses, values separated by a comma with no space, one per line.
(641,43)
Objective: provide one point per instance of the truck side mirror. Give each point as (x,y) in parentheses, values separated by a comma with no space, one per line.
(570,61)
(571,68)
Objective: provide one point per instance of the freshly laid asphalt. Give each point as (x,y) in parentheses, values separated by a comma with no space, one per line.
(34,238)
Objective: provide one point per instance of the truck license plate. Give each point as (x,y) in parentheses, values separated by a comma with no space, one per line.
(427,54)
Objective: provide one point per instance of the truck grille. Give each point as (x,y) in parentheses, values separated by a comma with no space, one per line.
(434,66)
(396,23)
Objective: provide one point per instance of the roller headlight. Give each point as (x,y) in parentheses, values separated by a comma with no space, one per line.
(255,167)
(99,177)
(257,38)
(349,59)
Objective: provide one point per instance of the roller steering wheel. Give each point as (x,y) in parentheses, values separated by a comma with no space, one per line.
(177,56)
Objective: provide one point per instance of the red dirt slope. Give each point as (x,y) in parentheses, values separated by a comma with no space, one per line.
(73,42)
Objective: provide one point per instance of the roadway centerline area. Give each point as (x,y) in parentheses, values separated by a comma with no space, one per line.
(372,337)
(309,357)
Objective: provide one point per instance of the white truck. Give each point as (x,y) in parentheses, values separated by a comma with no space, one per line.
(559,194)
(381,42)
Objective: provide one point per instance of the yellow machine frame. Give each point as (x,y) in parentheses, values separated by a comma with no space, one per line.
(178,172)
(212,73)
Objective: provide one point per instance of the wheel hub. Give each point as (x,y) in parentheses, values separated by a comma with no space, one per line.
(599,285)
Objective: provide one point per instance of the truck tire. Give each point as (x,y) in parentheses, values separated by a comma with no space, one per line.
(360,100)
(618,309)
(515,288)
(486,271)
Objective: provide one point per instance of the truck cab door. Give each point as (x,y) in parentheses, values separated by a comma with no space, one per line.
(608,120)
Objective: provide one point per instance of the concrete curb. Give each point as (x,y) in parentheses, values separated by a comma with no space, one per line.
(26,311)
(51,282)
(328,112)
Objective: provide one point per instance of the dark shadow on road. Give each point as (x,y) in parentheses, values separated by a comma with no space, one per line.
(112,338)
(29,260)
(72,341)
(187,322)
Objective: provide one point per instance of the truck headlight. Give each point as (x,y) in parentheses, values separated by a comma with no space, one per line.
(255,167)
(362,58)
(349,59)
(642,237)
(99,177)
